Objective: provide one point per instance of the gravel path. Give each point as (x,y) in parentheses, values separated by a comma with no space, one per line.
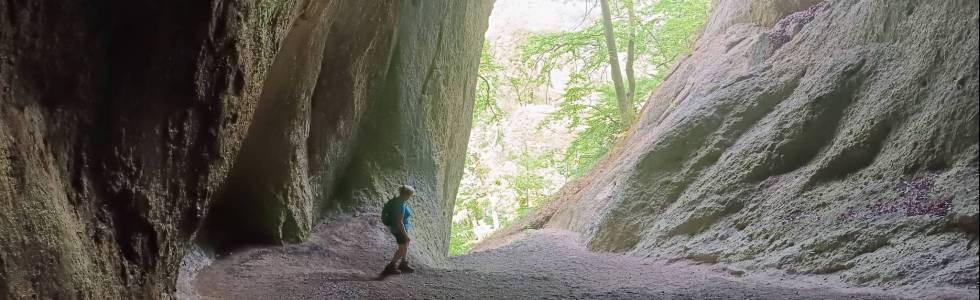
(545,264)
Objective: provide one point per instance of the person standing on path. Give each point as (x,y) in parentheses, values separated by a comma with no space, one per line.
(398,217)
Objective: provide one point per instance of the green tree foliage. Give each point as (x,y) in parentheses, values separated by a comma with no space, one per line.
(471,200)
(663,31)
(485,108)
(506,177)
(461,239)
(528,184)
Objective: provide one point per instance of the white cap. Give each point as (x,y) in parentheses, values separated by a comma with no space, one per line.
(406,189)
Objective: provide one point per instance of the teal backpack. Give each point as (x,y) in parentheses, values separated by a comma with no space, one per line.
(388,212)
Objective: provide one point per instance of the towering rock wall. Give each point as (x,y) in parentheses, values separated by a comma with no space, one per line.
(407,122)
(810,137)
(418,130)
(119,121)
(328,70)
(128,127)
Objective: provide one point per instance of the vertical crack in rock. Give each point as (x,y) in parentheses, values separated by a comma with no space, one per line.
(432,65)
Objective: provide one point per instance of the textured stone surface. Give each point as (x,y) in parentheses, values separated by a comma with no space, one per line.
(329,68)
(851,149)
(122,123)
(117,123)
(418,130)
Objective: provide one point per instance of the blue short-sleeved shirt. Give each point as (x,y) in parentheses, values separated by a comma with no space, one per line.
(391,207)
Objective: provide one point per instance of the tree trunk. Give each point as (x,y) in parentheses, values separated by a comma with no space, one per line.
(493,215)
(625,107)
(475,229)
(631,55)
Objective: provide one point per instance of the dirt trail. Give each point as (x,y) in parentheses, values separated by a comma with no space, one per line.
(341,262)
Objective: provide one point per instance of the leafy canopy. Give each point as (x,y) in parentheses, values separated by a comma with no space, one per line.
(664,30)
(492,195)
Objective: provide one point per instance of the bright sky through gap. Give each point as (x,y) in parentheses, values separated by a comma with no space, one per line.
(511,16)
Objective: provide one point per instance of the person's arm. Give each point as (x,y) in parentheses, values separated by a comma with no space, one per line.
(400,224)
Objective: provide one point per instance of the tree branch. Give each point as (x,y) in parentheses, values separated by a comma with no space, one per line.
(493,110)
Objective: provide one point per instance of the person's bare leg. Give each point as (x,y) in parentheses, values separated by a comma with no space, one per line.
(399,254)
(404,264)
(392,267)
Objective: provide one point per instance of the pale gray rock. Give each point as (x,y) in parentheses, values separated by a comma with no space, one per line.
(849,148)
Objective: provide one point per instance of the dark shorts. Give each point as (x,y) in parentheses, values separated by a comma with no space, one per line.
(399,237)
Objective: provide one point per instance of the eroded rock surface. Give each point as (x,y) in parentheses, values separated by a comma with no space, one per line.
(816,138)
(128,127)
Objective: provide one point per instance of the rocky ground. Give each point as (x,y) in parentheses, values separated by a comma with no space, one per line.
(342,261)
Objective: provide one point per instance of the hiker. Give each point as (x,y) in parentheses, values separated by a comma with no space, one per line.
(398,217)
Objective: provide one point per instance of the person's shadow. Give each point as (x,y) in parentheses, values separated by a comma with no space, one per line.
(359,277)
(383,275)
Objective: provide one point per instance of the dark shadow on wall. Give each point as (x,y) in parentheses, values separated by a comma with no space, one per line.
(251,207)
(304,129)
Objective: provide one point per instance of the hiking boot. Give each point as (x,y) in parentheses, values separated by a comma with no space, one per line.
(405,268)
(390,270)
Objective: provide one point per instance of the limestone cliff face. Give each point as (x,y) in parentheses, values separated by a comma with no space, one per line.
(127,128)
(811,137)
(417,131)
(407,121)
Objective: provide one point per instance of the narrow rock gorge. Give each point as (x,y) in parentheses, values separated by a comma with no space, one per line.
(132,129)
(819,138)
(809,137)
